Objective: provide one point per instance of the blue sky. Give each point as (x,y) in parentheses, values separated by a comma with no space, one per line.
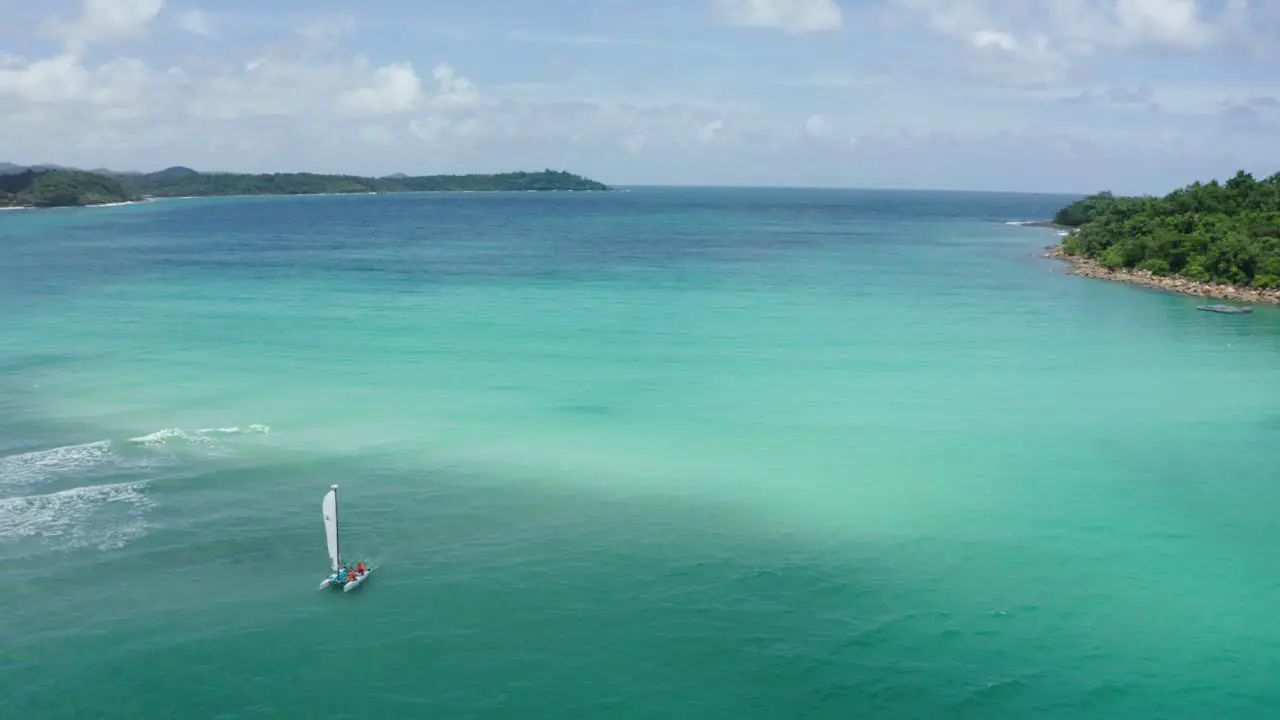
(1044,95)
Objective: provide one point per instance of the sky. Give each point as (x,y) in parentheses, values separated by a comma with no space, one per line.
(1133,96)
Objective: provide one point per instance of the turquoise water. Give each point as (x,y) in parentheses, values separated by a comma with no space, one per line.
(661,453)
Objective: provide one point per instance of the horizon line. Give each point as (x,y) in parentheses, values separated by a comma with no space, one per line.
(646,185)
(860,188)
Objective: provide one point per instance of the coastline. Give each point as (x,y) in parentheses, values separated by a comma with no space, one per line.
(66,207)
(155,198)
(1085,267)
(362,192)
(40,189)
(1041,224)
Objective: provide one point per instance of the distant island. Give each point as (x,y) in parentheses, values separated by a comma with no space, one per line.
(1212,239)
(61,188)
(53,186)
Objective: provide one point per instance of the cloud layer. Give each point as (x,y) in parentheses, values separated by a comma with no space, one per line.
(1137,95)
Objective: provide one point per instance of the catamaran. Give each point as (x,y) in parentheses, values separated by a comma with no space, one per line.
(348,578)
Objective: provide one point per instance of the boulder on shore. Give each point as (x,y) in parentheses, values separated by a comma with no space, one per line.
(1085,267)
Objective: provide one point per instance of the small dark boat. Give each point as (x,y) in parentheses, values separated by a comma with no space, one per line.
(1225,308)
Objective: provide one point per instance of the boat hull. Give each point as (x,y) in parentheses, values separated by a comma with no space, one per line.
(348,585)
(353,584)
(1226,309)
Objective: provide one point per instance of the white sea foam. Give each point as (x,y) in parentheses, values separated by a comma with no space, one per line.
(236,430)
(42,465)
(38,466)
(117,204)
(161,438)
(107,515)
(172,438)
(199,437)
(102,516)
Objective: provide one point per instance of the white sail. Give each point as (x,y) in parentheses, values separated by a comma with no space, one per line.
(330,509)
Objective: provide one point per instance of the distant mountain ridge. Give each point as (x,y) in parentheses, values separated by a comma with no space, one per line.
(105,186)
(8,168)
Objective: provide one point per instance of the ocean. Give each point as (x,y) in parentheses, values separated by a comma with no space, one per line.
(663,453)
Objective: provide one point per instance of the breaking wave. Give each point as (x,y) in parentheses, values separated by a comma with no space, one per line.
(203,437)
(101,516)
(101,510)
(42,465)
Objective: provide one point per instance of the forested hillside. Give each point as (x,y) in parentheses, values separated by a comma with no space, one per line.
(45,187)
(180,181)
(1207,232)
(59,188)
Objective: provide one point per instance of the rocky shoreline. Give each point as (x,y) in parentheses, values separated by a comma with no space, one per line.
(1048,224)
(1084,267)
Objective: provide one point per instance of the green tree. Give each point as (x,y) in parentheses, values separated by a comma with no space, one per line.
(183,182)
(60,188)
(1208,232)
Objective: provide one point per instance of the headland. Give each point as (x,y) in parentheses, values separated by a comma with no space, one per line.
(53,186)
(1211,240)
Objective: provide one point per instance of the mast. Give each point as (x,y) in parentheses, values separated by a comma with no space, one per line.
(337,527)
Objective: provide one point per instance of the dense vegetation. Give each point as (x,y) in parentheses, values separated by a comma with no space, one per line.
(1208,232)
(179,182)
(46,187)
(60,188)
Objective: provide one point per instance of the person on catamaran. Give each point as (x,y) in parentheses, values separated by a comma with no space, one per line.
(360,569)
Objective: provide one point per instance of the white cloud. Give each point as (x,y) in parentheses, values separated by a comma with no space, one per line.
(195,22)
(393,89)
(105,21)
(709,121)
(454,92)
(119,87)
(826,134)
(63,88)
(1173,23)
(51,80)
(818,126)
(1055,42)
(993,39)
(1079,27)
(274,109)
(797,16)
(712,131)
